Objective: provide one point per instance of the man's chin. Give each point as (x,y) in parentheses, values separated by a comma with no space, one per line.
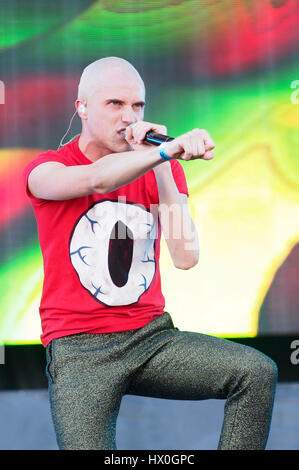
(121,147)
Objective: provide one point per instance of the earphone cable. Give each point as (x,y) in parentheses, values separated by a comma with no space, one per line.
(61,144)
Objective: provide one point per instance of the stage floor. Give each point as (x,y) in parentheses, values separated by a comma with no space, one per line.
(145,423)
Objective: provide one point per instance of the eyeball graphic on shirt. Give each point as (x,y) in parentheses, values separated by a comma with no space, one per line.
(112,249)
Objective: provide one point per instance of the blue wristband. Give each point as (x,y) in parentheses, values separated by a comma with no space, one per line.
(162,153)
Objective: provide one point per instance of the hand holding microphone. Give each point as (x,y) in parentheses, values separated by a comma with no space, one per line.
(192,145)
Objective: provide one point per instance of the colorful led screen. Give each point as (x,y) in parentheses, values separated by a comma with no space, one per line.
(229,67)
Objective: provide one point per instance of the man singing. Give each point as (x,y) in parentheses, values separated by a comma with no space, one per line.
(101,203)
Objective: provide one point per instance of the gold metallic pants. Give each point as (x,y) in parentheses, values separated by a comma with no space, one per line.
(88,374)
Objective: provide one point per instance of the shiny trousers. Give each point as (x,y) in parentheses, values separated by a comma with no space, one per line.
(88,374)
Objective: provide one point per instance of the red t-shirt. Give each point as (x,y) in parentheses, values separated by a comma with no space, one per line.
(100,253)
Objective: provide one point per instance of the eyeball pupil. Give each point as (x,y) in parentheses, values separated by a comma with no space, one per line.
(120,253)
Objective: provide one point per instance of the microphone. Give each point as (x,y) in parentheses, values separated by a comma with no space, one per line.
(156,139)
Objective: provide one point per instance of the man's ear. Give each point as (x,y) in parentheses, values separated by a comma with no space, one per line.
(81,109)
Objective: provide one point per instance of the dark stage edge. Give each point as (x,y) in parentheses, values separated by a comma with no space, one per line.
(24,366)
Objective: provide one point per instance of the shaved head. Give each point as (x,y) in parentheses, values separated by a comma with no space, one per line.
(103,71)
(113,95)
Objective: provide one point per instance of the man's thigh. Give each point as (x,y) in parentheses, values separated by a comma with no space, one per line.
(194,366)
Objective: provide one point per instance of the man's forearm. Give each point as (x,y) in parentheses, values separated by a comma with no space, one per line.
(115,170)
(177,225)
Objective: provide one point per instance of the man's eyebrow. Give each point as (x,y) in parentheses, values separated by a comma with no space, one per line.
(122,102)
(113,99)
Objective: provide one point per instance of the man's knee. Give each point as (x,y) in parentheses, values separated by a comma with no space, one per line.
(261,368)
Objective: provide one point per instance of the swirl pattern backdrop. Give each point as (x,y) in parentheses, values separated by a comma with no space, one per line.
(228,67)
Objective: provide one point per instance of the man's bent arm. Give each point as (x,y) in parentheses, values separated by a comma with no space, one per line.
(55,181)
(177,225)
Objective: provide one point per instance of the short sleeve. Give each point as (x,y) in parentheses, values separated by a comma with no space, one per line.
(179,176)
(50,156)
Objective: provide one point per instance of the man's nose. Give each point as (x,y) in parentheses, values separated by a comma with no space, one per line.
(128,115)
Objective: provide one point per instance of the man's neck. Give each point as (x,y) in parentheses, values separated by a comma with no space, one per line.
(90,149)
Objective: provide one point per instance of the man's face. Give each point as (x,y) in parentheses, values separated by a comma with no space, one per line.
(118,102)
